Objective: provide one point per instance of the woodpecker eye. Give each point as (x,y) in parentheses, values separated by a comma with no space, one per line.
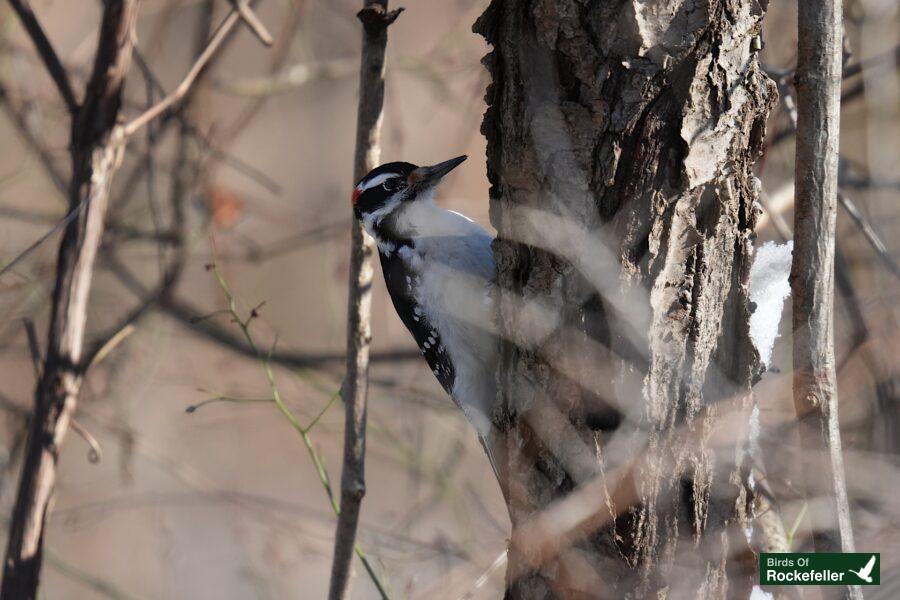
(393,184)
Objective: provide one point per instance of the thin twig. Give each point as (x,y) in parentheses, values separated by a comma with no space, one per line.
(783,76)
(892,55)
(95,451)
(848,205)
(73,213)
(280,52)
(243,324)
(290,79)
(107,343)
(188,126)
(193,317)
(192,408)
(375,19)
(16,114)
(34,347)
(94,583)
(252,21)
(219,36)
(294,242)
(869,233)
(51,60)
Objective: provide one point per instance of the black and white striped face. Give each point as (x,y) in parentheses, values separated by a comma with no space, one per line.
(386,188)
(381,191)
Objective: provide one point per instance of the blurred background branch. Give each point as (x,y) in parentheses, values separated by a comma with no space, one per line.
(97,147)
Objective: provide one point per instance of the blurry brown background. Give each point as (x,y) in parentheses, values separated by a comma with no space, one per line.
(224,502)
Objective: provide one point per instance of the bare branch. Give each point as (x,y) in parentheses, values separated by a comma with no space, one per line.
(892,55)
(191,316)
(290,79)
(34,347)
(95,451)
(73,213)
(51,60)
(219,36)
(280,52)
(818,83)
(189,127)
(256,253)
(97,148)
(252,21)
(17,115)
(375,18)
(858,219)
(179,92)
(869,233)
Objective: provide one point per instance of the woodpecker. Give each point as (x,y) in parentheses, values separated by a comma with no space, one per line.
(439,271)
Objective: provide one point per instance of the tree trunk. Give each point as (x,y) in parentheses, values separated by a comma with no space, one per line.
(621,137)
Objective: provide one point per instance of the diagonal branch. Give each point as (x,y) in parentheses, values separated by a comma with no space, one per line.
(221,33)
(252,21)
(846,203)
(218,39)
(870,234)
(193,317)
(17,114)
(189,127)
(51,60)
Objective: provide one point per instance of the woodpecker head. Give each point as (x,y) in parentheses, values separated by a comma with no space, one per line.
(385,191)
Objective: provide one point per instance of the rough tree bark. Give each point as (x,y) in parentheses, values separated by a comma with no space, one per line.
(375,19)
(621,137)
(95,158)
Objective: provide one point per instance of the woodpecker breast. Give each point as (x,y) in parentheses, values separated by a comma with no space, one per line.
(439,270)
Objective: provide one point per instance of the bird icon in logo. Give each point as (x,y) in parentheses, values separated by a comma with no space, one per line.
(866,572)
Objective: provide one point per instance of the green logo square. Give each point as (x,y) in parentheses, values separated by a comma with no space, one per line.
(826,568)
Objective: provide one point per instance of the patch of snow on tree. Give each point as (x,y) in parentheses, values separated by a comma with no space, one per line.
(760,594)
(769,288)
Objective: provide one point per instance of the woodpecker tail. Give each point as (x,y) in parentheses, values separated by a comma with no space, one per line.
(490,455)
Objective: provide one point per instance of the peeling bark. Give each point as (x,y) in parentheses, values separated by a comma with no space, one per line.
(621,137)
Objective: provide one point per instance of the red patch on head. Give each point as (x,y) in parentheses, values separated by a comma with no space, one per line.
(355,196)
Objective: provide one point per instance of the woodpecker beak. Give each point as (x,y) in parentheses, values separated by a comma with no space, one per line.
(426,177)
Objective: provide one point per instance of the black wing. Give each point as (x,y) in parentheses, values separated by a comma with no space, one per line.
(401,282)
